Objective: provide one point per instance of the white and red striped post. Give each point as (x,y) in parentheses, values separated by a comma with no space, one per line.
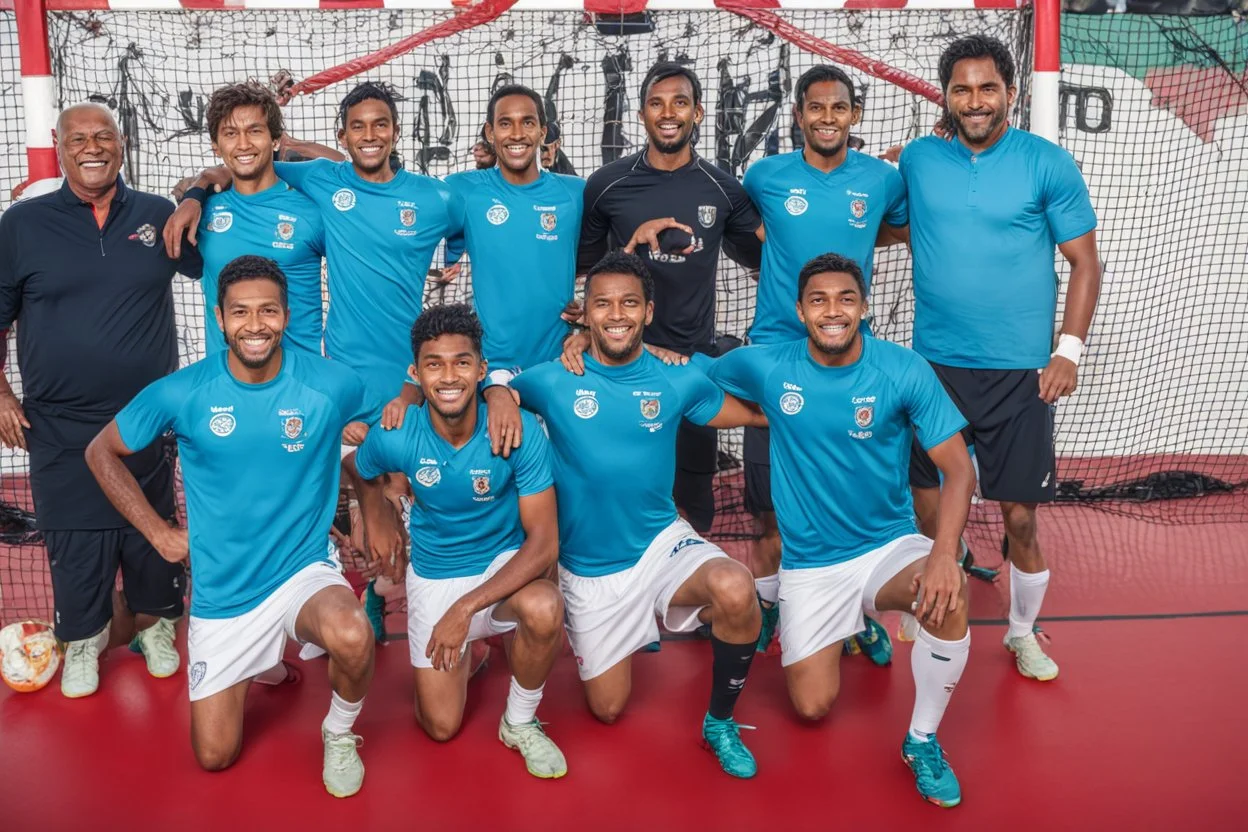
(38,89)
(1047,73)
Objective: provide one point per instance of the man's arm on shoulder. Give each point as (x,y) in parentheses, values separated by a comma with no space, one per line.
(299,150)
(299,175)
(736,413)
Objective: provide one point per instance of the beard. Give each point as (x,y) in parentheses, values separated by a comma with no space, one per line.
(825,150)
(676,145)
(450,413)
(253,363)
(620,353)
(978,134)
(835,349)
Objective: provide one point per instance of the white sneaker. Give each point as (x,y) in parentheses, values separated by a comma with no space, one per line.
(343,773)
(80,675)
(541,756)
(1030,658)
(156,643)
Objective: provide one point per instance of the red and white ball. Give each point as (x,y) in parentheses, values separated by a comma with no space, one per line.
(29,655)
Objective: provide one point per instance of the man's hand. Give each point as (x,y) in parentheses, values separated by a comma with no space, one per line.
(446,274)
(937,588)
(446,644)
(573,312)
(392,414)
(573,357)
(647,234)
(185,219)
(12,420)
(670,357)
(503,414)
(173,544)
(1058,379)
(387,550)
(354,433)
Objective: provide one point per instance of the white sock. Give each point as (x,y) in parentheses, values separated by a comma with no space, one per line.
(342,714)
(101,638)
(1026,597)
(522,704)
(937,666)
(275,675)
(768,588)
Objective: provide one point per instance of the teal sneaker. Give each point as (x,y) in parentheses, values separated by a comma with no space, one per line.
(933,777)
(723,736)
(375,609)
(652,647)
(874,643)
(771,619)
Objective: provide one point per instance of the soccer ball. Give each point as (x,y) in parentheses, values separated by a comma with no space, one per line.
(29,655)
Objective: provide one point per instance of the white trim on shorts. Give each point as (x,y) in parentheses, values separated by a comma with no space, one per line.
(221,652)
(428,599)
(825,604)
(613,616)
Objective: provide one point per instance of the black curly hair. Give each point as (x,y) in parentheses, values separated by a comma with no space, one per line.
(250,267)
(451,319)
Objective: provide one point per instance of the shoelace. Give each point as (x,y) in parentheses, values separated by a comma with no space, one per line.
(340,748)
(722,733)
(932,757)
(1030,648)
(530,734)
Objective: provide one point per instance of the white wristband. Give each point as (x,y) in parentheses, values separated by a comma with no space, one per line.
(500,378)
(1070,348)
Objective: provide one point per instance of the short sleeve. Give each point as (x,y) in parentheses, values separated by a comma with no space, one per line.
(702,399)
(10,282)
(381,452)
(150,414)
(753,183)
(1067,205)
(353,402)
(735,373)
(898,211)
(533,389)
(316,240)
(533,460)
(457,213)
(301,175)
(934,415)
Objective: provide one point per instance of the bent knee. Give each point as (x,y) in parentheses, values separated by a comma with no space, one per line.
(606,713)
(814,708)
(217,758)
(541,610)
(441,730)
(348,634)
(731,588)
(1020,522)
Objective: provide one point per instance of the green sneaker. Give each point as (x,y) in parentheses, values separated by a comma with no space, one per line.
(375,609)
(343,773)
(874,643)
(723,736)
(771,619)
(541,756)
(933,777)
(1030,658)
(156,645)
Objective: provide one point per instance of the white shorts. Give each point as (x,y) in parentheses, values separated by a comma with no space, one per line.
(613,616)
(429,599)
(225,651)
(823,605)
(345,451)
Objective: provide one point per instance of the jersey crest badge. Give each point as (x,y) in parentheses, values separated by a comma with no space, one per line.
(344,199)
(145,234)
(292,426)
(864,416)
(222,424)
(221,222)
(407,216)
(429,476)
(498,214)
(796,205)
(706,215)
(285,230)
(481,486)
(549,221)
(585,407)
(650,408)
(858,208)
(791,403)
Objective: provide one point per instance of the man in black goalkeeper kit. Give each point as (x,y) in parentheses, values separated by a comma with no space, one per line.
(678,209)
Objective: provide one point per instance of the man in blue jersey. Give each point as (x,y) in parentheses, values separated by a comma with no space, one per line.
(987,208)
(484,534)
(842,407)
(823,197)
(260,214)
(625,554)
(264,568)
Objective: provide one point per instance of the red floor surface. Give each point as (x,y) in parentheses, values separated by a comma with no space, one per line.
(1143,730)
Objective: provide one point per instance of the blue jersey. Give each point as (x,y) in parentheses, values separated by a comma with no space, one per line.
(260,468)
(466,502)
(614,434)
(840,441)
(983,228)
(522,243)
(380,239)
(278,223)
(807,213)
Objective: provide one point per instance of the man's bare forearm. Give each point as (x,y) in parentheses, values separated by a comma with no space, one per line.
(123,490)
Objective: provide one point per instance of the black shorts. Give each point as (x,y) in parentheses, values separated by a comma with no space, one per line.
(757,453)
(84,571)
(697,454)
(1011,430)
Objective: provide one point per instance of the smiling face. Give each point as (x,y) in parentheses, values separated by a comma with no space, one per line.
(831,307)
(368,136)
(448,370)
(670,114)
(826,114)
(978,101)
(516,133)
(244,143)
(617,313)
(89,147)
(253,318)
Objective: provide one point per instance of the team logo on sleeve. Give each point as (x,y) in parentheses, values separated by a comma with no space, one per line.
(285,230)
(145,234)
(498,214)
(407,216)
(864,415)
(706,215)
(344,199)
(429,476)
(791,403)
(586,404)
(650,408)
(549,221)
(222,421)
(221,222)
(796,205)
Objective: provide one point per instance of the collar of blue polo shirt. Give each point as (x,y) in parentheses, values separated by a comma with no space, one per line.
(1069,347)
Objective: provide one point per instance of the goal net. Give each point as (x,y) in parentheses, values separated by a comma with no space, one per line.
(1159,414)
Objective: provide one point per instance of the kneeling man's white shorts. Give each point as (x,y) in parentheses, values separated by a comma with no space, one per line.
(428,599)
